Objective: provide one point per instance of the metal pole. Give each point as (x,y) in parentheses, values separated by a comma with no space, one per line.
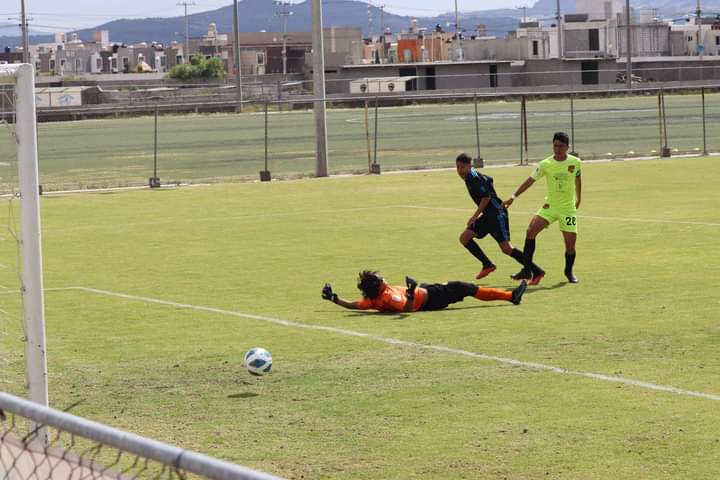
(319,107)
(367,135)
(187,30)
(572,122)
(236,48)
(704,120)
(664,117)
(376,130)
(660,132)
(24,30)
(628,66)
(458,54)
(525,130)
(559,30)
(31,241)
(480,162)
(266,136)
(284,47)
(155,175)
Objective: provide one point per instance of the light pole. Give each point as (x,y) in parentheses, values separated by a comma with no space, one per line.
(458,50)
(24,30)
(284,12)
(186,55)
(559,30)
(236,51)
(321,147)
(628,72)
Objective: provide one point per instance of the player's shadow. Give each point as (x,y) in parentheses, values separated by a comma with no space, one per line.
(404,315)
(551,287)
(243,395)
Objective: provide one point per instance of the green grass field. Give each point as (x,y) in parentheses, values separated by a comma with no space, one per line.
(195,148)
(362,407)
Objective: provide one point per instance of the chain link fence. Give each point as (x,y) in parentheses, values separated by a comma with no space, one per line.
(394,131)
(38,443)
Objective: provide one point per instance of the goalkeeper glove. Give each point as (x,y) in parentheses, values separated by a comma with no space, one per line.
(328,294)
(411,285)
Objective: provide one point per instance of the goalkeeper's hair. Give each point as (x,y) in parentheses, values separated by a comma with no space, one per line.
(369,283)
(562,137)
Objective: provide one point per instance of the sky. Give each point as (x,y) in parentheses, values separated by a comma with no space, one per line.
(67,15)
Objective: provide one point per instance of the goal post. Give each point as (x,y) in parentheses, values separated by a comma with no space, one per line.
(23,77)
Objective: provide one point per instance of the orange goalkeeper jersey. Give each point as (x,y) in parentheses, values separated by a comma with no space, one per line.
(393,299)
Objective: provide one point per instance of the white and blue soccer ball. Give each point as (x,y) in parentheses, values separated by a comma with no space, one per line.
(258,361)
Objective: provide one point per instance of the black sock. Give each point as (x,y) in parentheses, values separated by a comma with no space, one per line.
(529,252)
(477,252)
(569,262)
(518,256)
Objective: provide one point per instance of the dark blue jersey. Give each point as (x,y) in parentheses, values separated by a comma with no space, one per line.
(481,186)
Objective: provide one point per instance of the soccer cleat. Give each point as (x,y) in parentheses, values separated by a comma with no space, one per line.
(517,294)
(486,271)
(571,278)
(537,277)
(523,274)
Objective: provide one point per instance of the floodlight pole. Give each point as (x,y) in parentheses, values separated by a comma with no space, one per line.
(31,241)
(559,30)
(321,148)
(236,48)
(458,50)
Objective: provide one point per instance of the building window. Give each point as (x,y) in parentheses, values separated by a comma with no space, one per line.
(98,64)
(690,39)
(52,65)
(178,59)
(717,40)
(260,58)
(126,64)
(535,48)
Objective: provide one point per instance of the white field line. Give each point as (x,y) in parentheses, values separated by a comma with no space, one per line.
(394,341)
(592,217)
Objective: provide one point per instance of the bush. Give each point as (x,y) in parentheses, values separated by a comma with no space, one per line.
(199,67)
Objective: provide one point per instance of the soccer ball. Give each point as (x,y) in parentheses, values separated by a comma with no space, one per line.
(258,361)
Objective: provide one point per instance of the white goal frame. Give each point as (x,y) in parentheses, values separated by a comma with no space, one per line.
(30,239)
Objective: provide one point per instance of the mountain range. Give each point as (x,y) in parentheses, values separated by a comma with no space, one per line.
(257,15)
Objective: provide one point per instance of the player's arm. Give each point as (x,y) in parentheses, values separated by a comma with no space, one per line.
(578,190)
(328,294)
(411,284)
(480,210)
(521,189)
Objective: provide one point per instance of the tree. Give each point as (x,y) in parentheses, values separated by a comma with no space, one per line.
(199,67)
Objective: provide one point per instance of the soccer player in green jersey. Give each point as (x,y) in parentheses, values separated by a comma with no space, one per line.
(562,172)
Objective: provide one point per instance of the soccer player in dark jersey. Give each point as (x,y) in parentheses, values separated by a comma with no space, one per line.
(378,295)
(490,217)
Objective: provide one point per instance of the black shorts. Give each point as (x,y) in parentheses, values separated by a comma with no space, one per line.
(440,295)
(497,226)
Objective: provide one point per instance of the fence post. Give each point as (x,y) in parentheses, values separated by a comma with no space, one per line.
(704,122)
(265,174)
(367,135)
(665,150)
(154,181)
(375,167)
(525,156)
(572,123)
(479,162)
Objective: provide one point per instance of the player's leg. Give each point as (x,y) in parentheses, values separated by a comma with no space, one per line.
(570,240)
(531,271)
(457,291)
(467,239)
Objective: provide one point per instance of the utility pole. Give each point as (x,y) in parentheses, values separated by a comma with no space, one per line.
(524,16)
(284,12)
(236,51)
(382,21)
(458,48)
(370,19)
(321,147)
(558,15)
(186,56)
(628,72)
(698,22)
(24,30)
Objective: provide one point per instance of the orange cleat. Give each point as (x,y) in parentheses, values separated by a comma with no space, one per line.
(486,271)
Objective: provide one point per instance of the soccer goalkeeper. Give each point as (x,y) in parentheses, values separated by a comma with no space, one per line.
(378,295)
